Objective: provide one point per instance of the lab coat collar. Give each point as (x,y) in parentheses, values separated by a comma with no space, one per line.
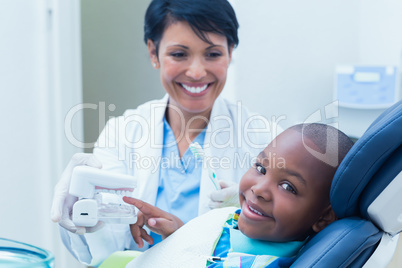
(148,189)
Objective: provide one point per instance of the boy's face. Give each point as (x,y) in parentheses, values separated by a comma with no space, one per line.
(285,192)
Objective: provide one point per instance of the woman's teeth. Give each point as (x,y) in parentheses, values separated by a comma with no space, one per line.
(256,211)
(195,89)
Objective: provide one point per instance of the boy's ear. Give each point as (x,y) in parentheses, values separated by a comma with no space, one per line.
(326,218)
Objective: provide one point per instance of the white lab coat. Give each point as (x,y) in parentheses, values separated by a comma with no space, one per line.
(132,144)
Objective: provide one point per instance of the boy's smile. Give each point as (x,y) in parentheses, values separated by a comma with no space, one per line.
(284,201)
(254,211)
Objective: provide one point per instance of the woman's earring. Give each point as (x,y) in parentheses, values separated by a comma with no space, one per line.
(154,65)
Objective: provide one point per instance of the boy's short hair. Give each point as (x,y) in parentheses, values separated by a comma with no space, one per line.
(326,137)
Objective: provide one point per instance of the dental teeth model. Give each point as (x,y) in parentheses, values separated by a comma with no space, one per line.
(100,196)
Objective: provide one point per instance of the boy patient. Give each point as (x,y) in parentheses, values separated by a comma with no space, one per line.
(284,199)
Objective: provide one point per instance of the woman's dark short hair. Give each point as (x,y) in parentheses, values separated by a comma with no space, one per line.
(204,16)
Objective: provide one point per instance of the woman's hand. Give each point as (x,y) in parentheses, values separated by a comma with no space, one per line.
(157,220)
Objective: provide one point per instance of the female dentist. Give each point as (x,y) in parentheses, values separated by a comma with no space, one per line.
(190,43)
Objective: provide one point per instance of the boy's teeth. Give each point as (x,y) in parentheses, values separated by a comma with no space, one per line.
(255,211)
(194,89)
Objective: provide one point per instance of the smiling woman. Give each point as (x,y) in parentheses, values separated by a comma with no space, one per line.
(191,46)
(192,72)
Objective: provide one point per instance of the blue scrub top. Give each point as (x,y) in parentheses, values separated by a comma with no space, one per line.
(179,179)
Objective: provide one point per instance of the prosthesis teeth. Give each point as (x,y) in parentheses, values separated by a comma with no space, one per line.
(110,191)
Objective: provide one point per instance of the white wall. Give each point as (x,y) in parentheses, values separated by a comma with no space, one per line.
(287,53)
(288,50)
(380,32)
(39,81)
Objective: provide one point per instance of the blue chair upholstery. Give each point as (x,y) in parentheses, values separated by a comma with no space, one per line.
(340,244)
(369,167)
(367,157)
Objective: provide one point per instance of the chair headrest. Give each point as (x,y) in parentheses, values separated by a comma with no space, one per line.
(370,166)
(344,243)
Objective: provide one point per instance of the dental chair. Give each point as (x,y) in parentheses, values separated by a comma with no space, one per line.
(366,195)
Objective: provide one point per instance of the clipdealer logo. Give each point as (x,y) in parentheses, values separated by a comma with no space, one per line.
(229,132)
(327,115)
(223,131)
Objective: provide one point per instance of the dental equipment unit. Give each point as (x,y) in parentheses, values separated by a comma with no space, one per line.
(366,87)
(100,197)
